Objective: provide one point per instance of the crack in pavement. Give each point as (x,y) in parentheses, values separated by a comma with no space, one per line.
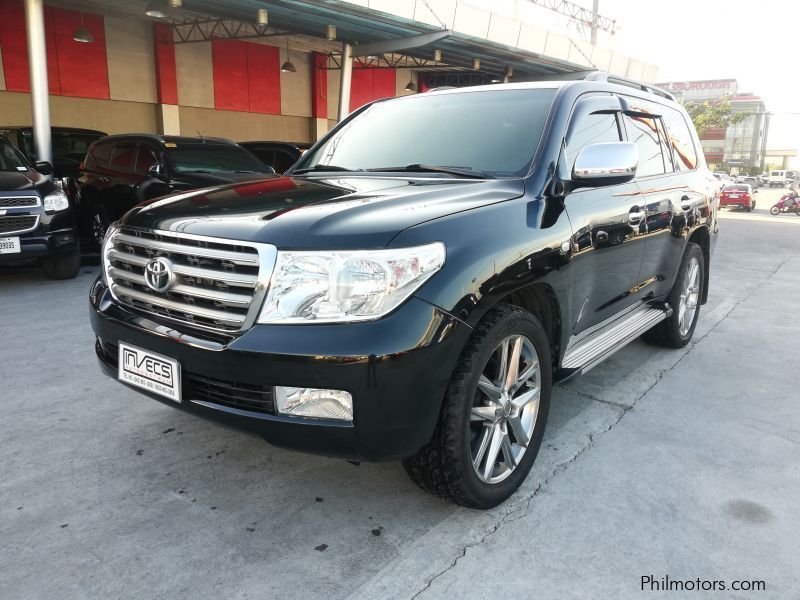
(512,514)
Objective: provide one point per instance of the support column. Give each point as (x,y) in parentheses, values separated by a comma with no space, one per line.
(319,95)
(169,122)
(346,79)
(40,94)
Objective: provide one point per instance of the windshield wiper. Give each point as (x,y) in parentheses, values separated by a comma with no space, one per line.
(323,168)
(418,168)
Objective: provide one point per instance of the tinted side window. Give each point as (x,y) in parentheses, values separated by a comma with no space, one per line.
(643,131)
(680,140)
(124,157)
(145,159)
(283,160)
(101,154)
(588,129)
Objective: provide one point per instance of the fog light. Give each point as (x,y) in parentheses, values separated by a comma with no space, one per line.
(311,402)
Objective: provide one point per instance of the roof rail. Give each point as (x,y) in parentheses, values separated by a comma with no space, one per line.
(616,79)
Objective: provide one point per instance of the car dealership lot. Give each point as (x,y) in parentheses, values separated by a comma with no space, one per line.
(106,493)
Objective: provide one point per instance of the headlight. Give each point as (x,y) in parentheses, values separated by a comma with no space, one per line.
(338,287)
(110,232)
(56,201)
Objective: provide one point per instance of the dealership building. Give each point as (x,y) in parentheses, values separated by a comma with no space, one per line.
(740,147)
(283,70)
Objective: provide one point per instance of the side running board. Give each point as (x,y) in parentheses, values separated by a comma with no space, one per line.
(587,352)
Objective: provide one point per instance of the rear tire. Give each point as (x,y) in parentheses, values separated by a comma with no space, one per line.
(480,424)
(684,298)
(63,267)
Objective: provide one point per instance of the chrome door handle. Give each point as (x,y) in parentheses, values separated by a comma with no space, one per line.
(686,203)
(635,217)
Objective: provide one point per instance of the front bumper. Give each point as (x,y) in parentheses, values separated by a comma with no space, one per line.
(396,368)
(54,236)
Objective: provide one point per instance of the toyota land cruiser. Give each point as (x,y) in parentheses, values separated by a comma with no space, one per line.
(414,285)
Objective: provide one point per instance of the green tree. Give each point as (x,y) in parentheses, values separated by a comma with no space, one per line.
(714,114)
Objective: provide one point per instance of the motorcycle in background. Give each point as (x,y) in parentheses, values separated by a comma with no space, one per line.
(788,203)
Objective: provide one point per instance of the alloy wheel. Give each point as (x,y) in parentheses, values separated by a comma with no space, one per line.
(98,229)
(690,296)
(505,409)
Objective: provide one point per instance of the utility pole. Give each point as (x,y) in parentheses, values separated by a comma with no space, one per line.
(595,18)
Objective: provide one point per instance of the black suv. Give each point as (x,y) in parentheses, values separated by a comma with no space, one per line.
(120,171)
(415,284)
(36,218)
(69,146)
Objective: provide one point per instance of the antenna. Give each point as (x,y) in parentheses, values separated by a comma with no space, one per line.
(200,135)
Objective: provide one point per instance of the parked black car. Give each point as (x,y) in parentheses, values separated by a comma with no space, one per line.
(120,171)
(36,219)
(69,147)
(416,299)
(278,155)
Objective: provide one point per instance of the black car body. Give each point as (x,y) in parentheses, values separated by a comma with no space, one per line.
(69,146)
(120,171)
(36,218)
(517,234)
(278,155)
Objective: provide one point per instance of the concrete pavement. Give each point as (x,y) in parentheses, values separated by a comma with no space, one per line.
(679,463)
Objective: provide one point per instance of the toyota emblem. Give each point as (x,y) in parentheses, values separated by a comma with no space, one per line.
(158,274)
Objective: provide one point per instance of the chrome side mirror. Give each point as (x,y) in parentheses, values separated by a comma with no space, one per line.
(607,163)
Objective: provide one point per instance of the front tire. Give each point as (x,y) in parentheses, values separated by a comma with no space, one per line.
(63,267)
(774,210)
(493,416)
(684,298)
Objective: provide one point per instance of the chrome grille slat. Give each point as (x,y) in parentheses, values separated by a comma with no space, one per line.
(234,279)
(236,300)
(238,258)
(144,297)
(217,284)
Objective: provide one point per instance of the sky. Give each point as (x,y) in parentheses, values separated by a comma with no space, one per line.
(754,42)
(757,43)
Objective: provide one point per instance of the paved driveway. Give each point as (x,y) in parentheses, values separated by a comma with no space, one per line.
(679,463)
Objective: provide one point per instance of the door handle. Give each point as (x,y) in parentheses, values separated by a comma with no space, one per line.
(686,203)
(635,217)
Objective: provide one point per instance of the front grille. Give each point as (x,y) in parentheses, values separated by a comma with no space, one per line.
(244,396)
(19,201)
(18,223)
(216,282)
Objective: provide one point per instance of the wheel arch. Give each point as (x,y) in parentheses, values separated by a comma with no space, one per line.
(540,300)
(702,238)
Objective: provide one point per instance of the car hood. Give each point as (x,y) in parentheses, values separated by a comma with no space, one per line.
(311,212)
(20,181)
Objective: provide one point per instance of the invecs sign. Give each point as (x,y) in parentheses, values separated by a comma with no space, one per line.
(702,90)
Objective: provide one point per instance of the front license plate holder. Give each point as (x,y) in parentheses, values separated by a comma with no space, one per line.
(150,371)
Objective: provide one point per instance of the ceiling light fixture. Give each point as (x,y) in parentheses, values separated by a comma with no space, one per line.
(175,3)
(155,10)
(330,32)
(476,64)
(411,86)
(437,55)
(288,67)
(262,16)
(82,34)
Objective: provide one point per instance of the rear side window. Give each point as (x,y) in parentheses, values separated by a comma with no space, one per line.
(124,157)
(283,160)
(587,129)
(145,159)
(679,138)
(100,155)
(643,131)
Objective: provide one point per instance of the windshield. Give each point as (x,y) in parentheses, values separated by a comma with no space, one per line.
(496,132)
(207,158)
(72,145)
(777,173)
(10,159)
